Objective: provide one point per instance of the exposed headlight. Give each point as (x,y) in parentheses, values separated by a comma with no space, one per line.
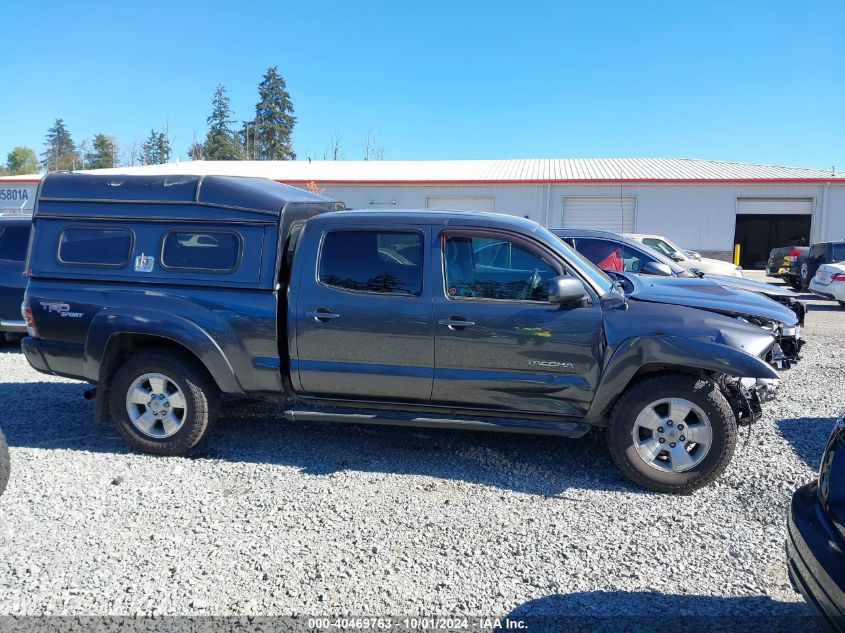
(791,331)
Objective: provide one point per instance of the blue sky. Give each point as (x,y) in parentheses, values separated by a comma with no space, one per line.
(745,81)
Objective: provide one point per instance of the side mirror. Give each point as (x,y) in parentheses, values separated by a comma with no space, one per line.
(566,290)
(693,255)
(657,268)
(678,256)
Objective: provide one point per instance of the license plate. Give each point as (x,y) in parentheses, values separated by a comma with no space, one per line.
(824,278)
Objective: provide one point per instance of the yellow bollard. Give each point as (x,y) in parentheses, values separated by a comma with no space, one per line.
(736,254)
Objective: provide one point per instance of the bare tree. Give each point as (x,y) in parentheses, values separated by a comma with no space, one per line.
(132,153)
(334,150)
(372,149)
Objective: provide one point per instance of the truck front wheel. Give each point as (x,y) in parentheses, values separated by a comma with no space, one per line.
(672,433)
(163,402)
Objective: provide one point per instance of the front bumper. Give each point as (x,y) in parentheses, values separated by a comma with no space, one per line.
(816,557)
(10,325)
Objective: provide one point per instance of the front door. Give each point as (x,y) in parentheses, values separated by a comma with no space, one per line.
(499,343)
(364,328)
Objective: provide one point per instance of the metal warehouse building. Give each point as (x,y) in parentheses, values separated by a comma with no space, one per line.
(704,205)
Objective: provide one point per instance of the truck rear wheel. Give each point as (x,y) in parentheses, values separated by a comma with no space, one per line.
(163,402)
(5,463)
(672,433)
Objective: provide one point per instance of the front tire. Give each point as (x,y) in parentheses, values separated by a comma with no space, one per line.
(5,463)
(672,433)
(163,402)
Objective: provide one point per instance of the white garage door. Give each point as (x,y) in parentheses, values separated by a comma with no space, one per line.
(761,206)
(460,203)
(606,213)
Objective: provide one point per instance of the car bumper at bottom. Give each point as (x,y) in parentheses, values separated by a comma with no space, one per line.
(815,556)
(34,354)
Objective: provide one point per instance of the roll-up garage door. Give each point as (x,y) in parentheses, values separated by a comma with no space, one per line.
(460,203)
(606,213)
(772,206)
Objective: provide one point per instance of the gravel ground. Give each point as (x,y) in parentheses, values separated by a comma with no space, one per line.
(283,518)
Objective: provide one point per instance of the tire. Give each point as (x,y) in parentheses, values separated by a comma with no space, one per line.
(664,473)
(805,276)
(185,424)
(5,463)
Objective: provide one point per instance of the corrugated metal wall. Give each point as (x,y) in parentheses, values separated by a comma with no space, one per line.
(698,216)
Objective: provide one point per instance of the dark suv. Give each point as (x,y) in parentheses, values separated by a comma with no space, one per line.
(821,253)
(14,237)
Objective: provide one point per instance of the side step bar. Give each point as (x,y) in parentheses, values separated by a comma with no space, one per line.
(473,423)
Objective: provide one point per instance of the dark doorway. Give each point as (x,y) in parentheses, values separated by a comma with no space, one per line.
(757,235)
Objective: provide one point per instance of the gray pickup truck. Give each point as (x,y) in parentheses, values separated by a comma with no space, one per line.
(166,291)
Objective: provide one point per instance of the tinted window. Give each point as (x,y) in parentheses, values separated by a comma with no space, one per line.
(609,255)
(373,261)
(201,250)
(95,247)
(13,242)
(495,268)
(837,252)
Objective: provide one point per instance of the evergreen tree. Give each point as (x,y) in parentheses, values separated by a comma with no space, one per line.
(156,149)
(60,152)
(22,160)
(103,154)
(272,127)
(221,143)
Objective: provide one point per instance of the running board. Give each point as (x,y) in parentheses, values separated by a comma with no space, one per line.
(471,423)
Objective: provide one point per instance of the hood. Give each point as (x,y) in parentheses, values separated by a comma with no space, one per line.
(708,295)
(712,266)
(761,287)
(643,318)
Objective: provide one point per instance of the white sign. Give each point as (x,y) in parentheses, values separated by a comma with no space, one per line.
(17,198)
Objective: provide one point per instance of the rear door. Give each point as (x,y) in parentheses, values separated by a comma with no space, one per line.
(14,238)
(499,343)
(363,314)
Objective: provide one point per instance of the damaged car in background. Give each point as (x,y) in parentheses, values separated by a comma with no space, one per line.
(648,276)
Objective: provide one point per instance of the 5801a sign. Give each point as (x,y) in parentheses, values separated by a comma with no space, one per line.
(14,195)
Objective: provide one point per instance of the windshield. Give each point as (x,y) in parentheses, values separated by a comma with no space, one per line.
(663,246)
(585,267)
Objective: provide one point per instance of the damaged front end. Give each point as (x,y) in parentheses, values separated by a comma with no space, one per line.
(788,342)
(747,395)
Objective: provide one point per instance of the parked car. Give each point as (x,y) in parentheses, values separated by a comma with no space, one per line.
(777,309)
(483,321)
(14,238)
(5,463)
(682,257)
(829,282)
(783,264)
(817,255)
(815,543)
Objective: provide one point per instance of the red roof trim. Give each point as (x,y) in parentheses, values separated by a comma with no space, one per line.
(22,180)
(577,181)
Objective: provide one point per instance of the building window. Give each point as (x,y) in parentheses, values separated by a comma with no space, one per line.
(388,262)
(95,247)
(201,251)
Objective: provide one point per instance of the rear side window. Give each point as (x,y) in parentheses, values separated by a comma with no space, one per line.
(837,253)
(95,247)
(13,242)
(388,262)
(207,251)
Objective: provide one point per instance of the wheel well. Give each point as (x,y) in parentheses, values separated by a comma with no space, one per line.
(123,346)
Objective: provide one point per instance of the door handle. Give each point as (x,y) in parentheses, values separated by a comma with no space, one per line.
(322,315)
(456,323)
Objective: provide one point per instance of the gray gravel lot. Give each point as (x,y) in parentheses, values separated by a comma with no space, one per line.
(283,518)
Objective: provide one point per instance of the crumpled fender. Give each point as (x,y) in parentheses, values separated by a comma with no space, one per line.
(669,351)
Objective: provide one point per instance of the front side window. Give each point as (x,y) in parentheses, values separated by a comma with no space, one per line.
(613,256)
(387,262)
(95,247)
(837,253)
(661,246)
(495,268)
(209,251)
(13,242)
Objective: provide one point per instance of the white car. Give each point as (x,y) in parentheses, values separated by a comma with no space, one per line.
(829,282)
(688,259)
